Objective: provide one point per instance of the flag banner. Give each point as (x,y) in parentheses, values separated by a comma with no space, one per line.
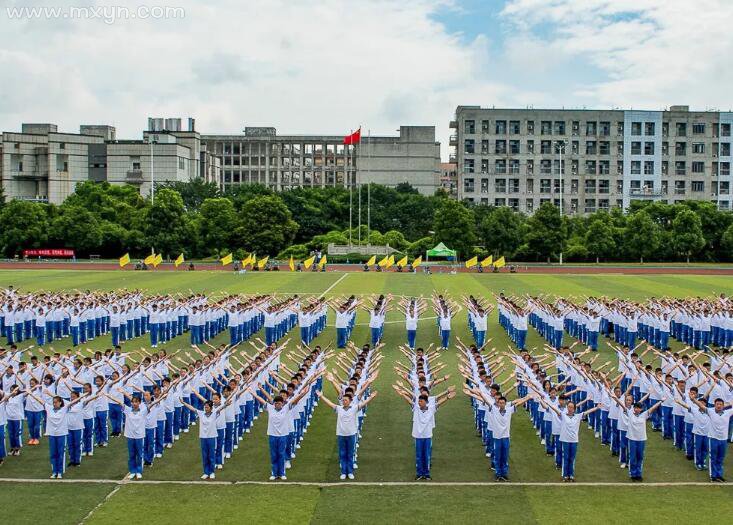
(158,260)
(245,261)
(390,262)
(227,259)
(384,261)
(473,261)
(500,262)
(417,262)
(372,260)
(149,259)
(262,262)
(309,262)
(487,262)
(353,138)
(124,260)
(322,262)
(291,264)
(402,262)
(179,261)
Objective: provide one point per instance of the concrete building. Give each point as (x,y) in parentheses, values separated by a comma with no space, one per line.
(589,160)
(449,178)
(283,162)
(41,164)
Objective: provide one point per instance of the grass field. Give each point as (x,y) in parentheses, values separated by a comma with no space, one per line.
(384,492)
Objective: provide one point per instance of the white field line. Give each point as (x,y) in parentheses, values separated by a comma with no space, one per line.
(370,483)
(105,500)
(344,276)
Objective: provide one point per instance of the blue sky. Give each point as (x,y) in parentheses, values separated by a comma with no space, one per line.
(327,66)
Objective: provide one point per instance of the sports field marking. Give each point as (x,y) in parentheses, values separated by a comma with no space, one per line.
(333,285)
(102,502)
(329,484)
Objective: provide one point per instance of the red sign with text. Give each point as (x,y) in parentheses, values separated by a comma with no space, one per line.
(53,252)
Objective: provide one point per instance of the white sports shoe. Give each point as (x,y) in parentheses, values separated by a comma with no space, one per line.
(272,478)
(351,476)
(342,476)
(131,476)
(138,476)
(287,464)
(212,476)
(284,478)
(205,476)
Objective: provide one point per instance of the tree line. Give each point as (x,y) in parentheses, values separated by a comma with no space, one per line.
(201,221)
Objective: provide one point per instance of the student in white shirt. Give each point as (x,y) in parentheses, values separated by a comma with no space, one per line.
(570,424)
(636,436)
(207,436)
(502,414)
(347,428)
(135,416)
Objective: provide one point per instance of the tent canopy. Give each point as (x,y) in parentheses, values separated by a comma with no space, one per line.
(441,250)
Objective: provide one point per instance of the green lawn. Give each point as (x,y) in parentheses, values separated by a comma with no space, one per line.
(386,452)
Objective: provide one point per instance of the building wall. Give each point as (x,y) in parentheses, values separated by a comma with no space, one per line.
(130,162)
(609,158)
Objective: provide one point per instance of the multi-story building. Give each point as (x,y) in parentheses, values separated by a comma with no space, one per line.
(41,164)
(589,160)
(283,162)
(449,178)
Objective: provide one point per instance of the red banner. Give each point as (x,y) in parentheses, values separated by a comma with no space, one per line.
(52,252)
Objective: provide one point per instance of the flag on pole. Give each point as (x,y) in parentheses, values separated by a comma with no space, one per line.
(322,262)
(149,259)
(227,259)
(500,262)
(309,262)
(487,262)
(473,261)
(245,261)
(158,260)
(372,261)
(390,262)
(262,262)
(124,260)
(383,262)
(179,261)
(291,264)
(402,262)
(353,138)
(417,262)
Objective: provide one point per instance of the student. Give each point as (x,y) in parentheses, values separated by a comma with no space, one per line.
(502,414)
(3,423)
(135,416)
(207,437)
(76,427)
(347,428)
(636,435)
(570,423)
(720,417)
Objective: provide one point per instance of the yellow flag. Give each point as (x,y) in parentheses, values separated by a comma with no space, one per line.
(417,262)
(124,260)
(322,262)
(245,261)
(500,262)
(473,261)
(309,262)
(487,262)
(262,262)
(253,260)
(149,259)
(158,260)
(227,259)
(390,261)
(402,262)
(179,261)
(291,264)
(372,261)
(383,262)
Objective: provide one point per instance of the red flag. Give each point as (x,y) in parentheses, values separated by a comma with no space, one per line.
(354,138)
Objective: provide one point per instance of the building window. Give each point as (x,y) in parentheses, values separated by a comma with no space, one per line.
(698,128)
(514,127)
(698,147)
(605,128)
(648,148)
(500,166)
(559,127)
(648,167)
(514,147)
(680,168)
(530,146)
(499,202)
(545,185)
(590,186)
(500,185)
(604,186)
(501,127)
(679,187)
(648,128)
(546,127)
(530,127)
(500,147)
(576,127)
(590,167)
(698,186)
(636,167)
(698,167)
(484,185)
(636,148)
(469,127)
(468,185)
(681,129)
(529,205)
(469,146)
(590,147)
(590,128)
(725,130)
(604,148)
(636,128)
(680,149)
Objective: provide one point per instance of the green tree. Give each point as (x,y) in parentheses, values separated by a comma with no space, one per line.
(168,229)
(687,237)
(266,226)
(643,236)
(599,239)
(193,192)
(23,224)
(546,232)
(501,231)
(455,226)
(727,243)
(217,218)
(75,227)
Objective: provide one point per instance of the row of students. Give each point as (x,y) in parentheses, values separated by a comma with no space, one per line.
(345,309)
(413,308)
(445,309)
(478,318)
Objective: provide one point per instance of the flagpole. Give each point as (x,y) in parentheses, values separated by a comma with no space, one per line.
(350,201)
(359,189)
(369,193)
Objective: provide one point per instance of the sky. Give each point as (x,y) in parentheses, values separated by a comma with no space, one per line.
(327,67)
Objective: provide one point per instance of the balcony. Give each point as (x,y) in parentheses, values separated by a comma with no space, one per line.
(452,158)
(134,177)
(34,174)
(453,124)
(645,193)
(36,198)
(453,140)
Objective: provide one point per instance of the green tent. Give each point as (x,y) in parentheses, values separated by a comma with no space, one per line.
(441,251)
